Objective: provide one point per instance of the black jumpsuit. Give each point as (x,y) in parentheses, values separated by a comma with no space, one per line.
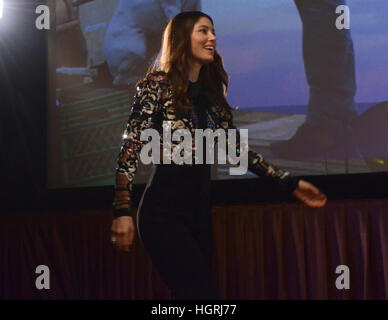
(174,222)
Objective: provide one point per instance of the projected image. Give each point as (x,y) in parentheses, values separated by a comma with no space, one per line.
(311,92)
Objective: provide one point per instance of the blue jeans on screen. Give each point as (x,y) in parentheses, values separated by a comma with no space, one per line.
(328,56)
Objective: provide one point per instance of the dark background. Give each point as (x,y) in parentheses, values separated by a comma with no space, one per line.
(23,102)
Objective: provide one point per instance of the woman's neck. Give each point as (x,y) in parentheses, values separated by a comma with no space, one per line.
(195,68)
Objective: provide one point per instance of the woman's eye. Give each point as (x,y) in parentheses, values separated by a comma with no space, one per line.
(202,30)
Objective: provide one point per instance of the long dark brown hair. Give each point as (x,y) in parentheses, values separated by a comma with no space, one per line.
(173,60)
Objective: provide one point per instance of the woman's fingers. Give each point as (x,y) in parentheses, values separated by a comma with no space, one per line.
(311,198)
(317,202)
(310,195)
(308,186)
(131,237)
(123,232)
(123,242)
(122,245)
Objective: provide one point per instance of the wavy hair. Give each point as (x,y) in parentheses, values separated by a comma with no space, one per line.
(173,59)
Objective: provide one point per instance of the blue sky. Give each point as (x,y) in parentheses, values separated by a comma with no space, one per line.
(261,42)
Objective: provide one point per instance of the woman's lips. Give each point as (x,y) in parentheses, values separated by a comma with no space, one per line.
(210,50)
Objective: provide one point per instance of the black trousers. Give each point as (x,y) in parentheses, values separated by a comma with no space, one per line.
(175,227)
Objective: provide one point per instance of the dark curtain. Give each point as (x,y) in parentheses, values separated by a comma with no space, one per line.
(262,251)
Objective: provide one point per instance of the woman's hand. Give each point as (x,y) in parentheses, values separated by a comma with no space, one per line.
(122,233)
(309,195)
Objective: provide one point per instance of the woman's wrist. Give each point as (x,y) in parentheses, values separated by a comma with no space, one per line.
(121,212)
(290,183)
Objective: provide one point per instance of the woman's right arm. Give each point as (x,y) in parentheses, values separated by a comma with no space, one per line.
(144,109)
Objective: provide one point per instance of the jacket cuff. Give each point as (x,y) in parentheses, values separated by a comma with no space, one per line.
(289,184)
(121,212)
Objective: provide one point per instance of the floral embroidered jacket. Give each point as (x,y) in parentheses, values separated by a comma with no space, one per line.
(153,106)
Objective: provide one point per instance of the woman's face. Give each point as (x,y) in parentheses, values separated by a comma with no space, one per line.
(203,41)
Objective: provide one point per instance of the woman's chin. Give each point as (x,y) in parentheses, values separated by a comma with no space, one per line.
(207,61)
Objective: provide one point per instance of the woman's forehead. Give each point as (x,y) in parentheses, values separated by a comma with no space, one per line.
(204,21)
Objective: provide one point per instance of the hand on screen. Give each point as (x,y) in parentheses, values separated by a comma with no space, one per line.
(309,195)
(122,233)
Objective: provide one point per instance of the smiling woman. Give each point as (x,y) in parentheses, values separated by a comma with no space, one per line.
(185,90)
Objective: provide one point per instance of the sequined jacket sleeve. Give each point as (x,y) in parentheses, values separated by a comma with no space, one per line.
(256,163)
(144,110)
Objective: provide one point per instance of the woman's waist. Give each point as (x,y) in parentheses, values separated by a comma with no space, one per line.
(181,171)
(180,177)
(177,185)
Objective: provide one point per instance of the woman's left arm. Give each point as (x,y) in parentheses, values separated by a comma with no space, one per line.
(301,189)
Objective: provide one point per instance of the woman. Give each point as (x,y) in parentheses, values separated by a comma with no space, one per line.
(186,88)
